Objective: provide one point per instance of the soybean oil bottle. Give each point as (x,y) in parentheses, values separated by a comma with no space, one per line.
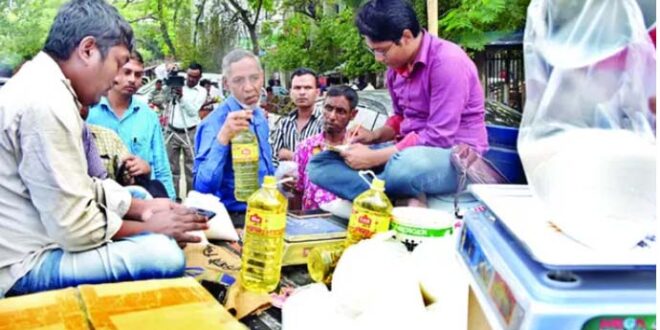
(372,213)
(263,238)
(245,161)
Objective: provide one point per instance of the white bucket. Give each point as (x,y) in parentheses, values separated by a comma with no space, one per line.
(413,225)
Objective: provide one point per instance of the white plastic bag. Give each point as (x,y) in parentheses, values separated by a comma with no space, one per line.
(587,138)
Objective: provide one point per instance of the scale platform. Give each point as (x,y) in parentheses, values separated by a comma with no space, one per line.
(527,274)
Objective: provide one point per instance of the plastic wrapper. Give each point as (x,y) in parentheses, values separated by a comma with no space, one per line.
(220,226)
(587,137)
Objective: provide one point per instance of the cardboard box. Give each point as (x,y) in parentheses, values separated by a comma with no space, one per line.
(59,309)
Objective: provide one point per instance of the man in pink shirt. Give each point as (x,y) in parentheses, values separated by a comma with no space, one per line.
(438,102)
(339,109)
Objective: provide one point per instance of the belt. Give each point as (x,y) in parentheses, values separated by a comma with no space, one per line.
(181,130)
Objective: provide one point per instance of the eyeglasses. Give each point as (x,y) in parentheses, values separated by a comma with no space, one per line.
(380,52)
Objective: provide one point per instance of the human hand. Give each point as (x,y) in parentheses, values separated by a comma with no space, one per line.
(236,121)
(291,184)
(177,91)
(156,205)
(360,135)
(359,157)
(177,223)
(285,154)
(135,166)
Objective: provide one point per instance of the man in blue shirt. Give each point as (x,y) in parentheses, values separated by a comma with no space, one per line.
(213,171)
(136,124)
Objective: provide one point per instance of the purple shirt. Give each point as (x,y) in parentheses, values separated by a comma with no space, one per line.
(441,99)
(313,195)
(95,166)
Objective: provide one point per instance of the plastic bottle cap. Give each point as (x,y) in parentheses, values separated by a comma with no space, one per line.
(378,184)
(270,181)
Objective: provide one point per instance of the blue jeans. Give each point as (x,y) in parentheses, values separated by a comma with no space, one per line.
(407,173)
(139,257)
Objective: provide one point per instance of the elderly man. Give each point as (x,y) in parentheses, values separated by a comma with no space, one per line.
(302,122)
(58,226)
(213,170)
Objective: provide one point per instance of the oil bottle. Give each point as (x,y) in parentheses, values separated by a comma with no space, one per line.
(263,238)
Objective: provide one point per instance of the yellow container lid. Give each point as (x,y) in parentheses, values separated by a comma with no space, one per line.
(378,184)
(270,181)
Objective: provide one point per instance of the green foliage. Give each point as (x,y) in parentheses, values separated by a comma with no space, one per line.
(470,20)
(330,44)
(24,27)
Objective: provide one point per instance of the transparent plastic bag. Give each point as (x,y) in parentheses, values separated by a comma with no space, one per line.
(587,137)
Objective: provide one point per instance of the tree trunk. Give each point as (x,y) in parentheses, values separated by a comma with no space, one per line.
(200,13)
(163,29)
(254,38)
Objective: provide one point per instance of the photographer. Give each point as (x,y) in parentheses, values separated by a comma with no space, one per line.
(189,99)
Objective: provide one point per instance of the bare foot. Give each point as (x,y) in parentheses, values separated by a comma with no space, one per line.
(419,201)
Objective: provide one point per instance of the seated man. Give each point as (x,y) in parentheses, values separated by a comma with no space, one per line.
(136,124)
(213,170)
(338,110)
(438,102)
(58,226)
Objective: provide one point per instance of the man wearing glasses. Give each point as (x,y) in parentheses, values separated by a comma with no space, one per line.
(438,102)
(213,170)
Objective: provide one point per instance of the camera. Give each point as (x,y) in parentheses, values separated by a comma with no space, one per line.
(174,80)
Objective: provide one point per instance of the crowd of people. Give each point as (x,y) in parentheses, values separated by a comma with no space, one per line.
(89,182)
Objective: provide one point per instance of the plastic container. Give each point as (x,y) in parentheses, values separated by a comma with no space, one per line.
(245,162)
(414,225)
(503,152)
(372,213)
(263,240)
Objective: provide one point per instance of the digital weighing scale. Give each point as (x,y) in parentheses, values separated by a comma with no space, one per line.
(527,274)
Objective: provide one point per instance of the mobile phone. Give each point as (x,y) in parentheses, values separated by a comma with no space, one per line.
(205,213)
(303,214)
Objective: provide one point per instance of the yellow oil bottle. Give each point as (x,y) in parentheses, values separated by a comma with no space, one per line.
(263,238)
(245,161)
(321,262)
(372,213)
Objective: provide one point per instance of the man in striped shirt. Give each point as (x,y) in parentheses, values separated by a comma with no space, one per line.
(302,122)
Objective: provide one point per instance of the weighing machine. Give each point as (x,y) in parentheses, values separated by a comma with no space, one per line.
(527,274)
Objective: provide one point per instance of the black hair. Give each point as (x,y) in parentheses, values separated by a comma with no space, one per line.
(385,20)
(269,89)
(342,90)
(159,81)
(78,19)
(195,66)
(204,82)
(135,55)
(305,71)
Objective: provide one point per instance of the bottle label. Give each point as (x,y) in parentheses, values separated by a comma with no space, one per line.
(244,152)
(267,224)
(364,223)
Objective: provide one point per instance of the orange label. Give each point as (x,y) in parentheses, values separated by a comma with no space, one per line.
(365,223)
(265,223)
(244,152)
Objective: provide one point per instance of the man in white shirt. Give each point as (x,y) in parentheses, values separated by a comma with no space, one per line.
(183,125)
(58,226)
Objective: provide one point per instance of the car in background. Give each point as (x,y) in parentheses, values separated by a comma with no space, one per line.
(374,107)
